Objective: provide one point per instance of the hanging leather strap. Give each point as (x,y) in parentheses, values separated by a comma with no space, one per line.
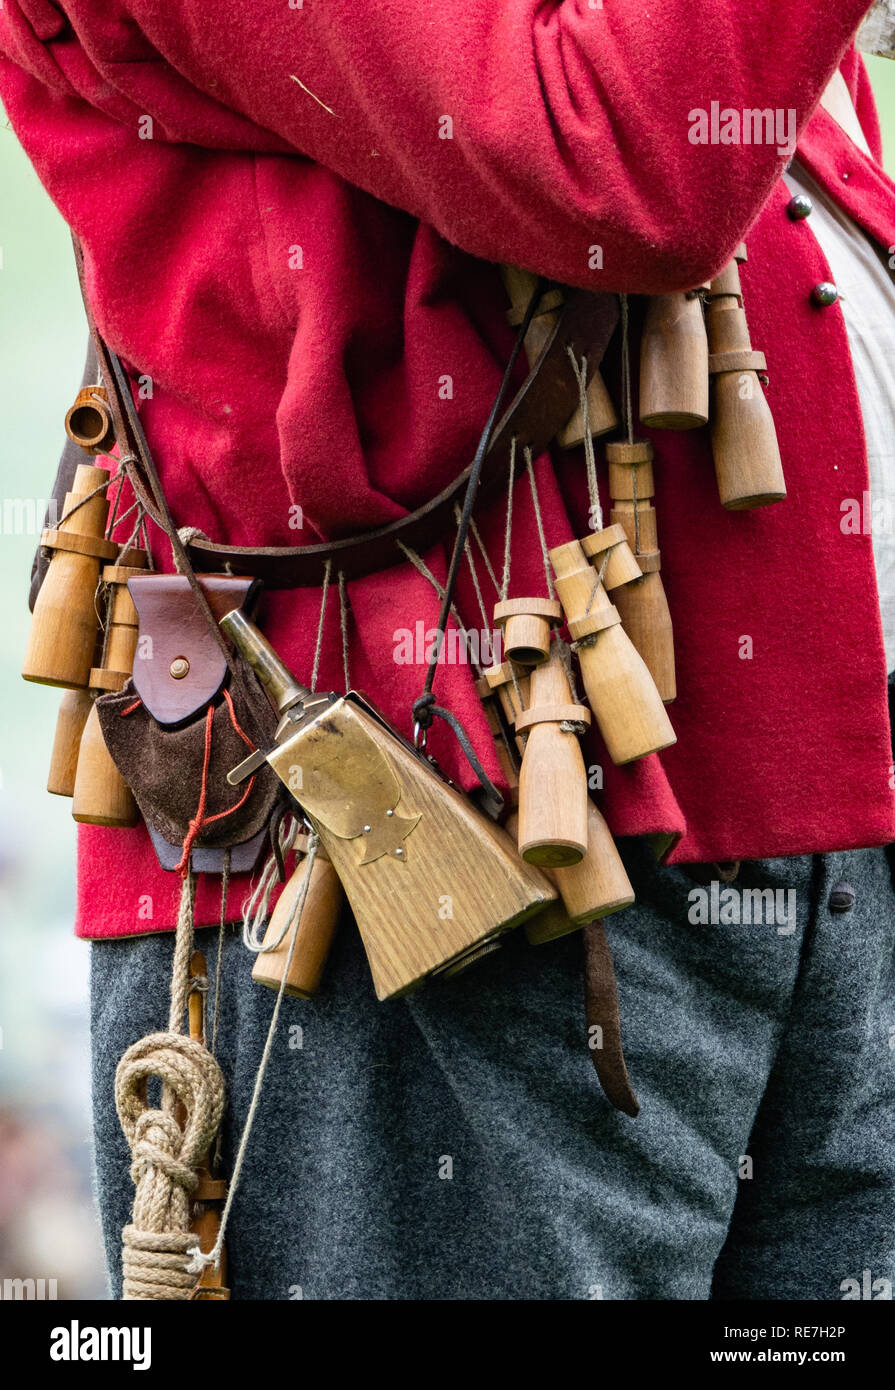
(542,405)
(601,1012)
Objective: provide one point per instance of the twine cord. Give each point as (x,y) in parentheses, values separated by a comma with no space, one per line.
(186,535)
(508,528)
(477,535)
(419,564)
(256,907)
(343,625)
(565,656)
(222,927)
(167,1142)
(629,410)
(199,1260)
(317,649)
(626,370)
(539,520)
(467,550)
(113,511)
(590,460)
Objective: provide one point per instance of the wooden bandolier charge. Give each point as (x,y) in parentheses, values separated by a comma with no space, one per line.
(72,646)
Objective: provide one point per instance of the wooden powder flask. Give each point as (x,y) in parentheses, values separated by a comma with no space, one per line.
(553,780)
(89,421)
(431,880)
(594,888)
(620,690)
(64,625)
(499,734)
(101,795)
(74,709)
(316,928)
(205,1217)
(744,441)
(601,413)
(511,687)
(610,554)
(601,416)
(642,604)
(674,363)
(552,922)
(526,624)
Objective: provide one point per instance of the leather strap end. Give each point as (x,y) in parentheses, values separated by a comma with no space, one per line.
(601,1011)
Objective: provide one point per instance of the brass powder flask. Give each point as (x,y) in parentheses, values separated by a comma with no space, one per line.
(431,879)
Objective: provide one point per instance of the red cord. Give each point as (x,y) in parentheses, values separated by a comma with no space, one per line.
(199,821)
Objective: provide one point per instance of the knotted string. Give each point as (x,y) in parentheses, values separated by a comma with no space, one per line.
(475,577)
(590,461)
(167,1142)
(508,527)
(199,1259)
(343,625)
(317,649)
(539,521)
(419,564)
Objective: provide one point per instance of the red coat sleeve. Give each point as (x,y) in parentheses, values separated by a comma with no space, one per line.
(523,131)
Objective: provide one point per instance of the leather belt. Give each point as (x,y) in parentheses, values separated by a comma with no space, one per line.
(543,404)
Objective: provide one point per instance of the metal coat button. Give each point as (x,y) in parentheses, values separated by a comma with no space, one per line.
(825,294)
(799,206)
(842,898)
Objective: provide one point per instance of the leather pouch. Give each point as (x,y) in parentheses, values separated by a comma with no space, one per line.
(185,719)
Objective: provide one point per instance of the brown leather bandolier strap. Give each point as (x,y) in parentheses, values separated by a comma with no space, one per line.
(543,404)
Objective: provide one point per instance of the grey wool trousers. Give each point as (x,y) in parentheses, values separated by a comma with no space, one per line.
(456,1145)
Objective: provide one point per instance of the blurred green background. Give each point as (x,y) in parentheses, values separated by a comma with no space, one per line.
(47,1226)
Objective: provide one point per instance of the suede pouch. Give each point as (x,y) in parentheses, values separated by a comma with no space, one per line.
(185,720)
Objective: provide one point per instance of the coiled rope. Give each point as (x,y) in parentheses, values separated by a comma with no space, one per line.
(167,1141)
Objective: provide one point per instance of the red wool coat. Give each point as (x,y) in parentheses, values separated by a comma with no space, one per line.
(279,233)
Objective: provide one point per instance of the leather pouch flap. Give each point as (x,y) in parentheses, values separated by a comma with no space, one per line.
(178,665)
